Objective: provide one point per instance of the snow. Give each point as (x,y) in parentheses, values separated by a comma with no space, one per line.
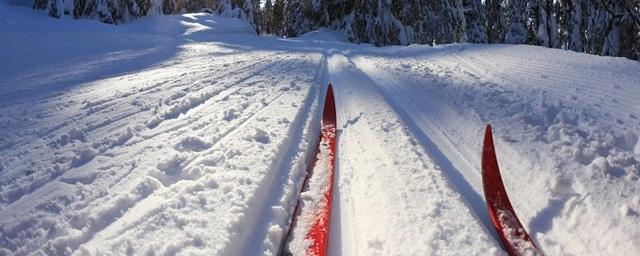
(520,243)
(189,134)
(559,116)
(393,195)
(325,35)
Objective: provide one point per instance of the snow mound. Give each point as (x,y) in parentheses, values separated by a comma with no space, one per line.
(190,24)
(78,51)
(326,35)
(21,20)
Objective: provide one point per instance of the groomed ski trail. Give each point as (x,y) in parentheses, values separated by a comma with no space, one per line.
(385,179)
(189,139)
(451,92)
(189,134)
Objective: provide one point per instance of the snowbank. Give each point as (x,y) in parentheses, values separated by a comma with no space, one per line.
(325,35)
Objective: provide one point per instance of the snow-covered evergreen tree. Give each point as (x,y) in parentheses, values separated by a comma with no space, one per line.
(532,21)
(495,21)
(277,18)
(475,19)
(118,11)
(411,16)
(611,28)
(554,17)
(576,26)
(454,17)
(543,30)
(516,32)
(266,17)
(605,27)
(297,18)
(386,28)
(359,23)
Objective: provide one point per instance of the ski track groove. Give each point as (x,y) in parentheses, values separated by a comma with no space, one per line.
(547,77)
(413,161)
(141,92)
(231,89)
(294,163)
(63,124)
(121,117)
(189,163)
(246,117)
(238,121)
(489,76)
(492,77)
(473,199)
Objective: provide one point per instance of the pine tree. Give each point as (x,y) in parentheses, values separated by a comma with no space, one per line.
(544,31)
(576,26)
(630,43)
(474,16)
(297,18)
(194,5)
(495,21)
(387,29)
(554,36)
(605,27)
(266,17)
(454,13)
(277,20)
(337,10)
(516,32)
(407,13)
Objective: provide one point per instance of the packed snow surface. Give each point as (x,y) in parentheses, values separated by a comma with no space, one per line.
(190,134)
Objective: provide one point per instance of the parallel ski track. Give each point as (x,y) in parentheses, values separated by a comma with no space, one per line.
(189,162)
(238,124)
(436,164)
(486,75)
(547,77)
(147,92)
(291,167)
(473,198)
(556,89)
(134,115)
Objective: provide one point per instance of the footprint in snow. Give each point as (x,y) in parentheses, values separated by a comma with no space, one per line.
(260,135)
(190,143)
(230,114)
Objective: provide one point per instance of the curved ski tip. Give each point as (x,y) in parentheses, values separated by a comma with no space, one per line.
(488,133)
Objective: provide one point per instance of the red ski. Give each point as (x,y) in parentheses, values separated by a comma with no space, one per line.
(318,234)
(511,232)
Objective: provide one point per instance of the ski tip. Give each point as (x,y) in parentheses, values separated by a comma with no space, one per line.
(330,98)
(329,112)
(488,135)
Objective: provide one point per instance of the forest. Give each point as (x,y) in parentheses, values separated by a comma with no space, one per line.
(602,27)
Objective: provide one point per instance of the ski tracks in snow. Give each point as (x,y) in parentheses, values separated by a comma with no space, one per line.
(386,180)
(134,187)
(205,153)
(448,94)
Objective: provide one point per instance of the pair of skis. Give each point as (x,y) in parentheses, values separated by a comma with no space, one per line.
(511,232)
